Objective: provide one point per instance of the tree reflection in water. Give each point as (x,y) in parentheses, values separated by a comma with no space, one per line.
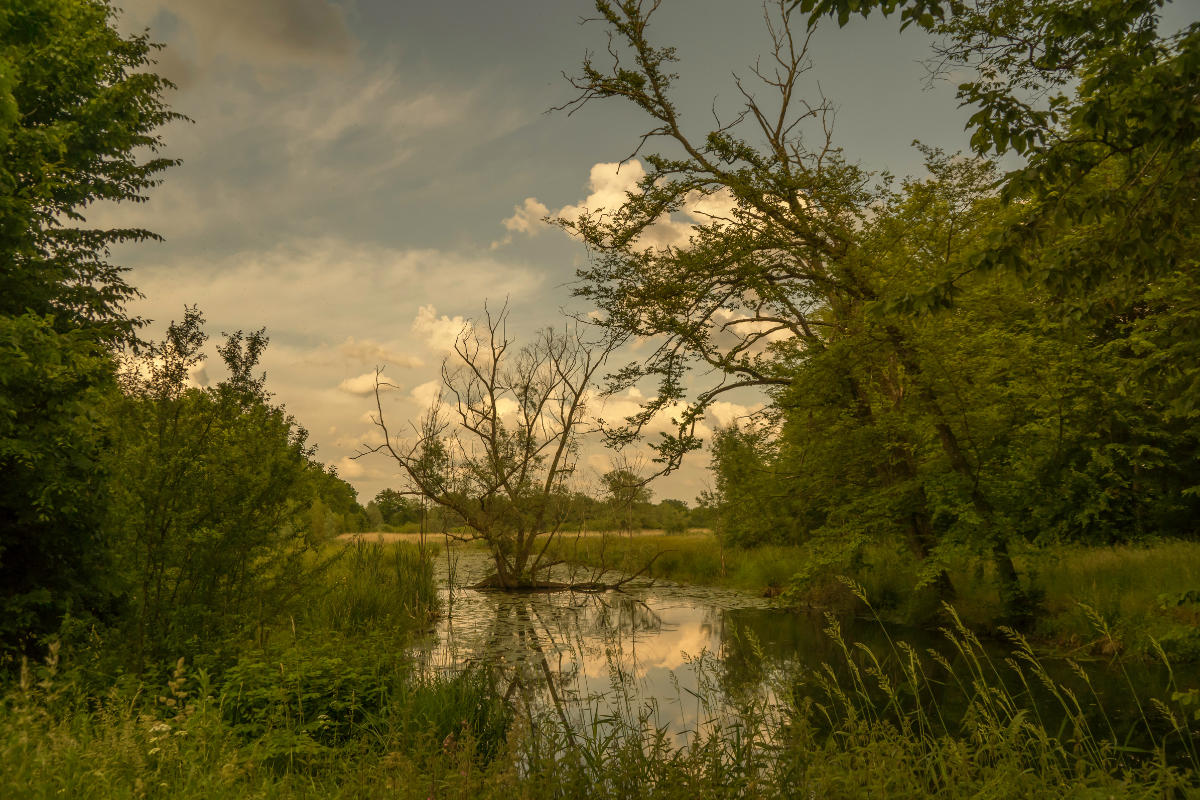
(689,659)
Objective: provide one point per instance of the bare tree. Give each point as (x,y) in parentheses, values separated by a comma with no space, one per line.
(499,447)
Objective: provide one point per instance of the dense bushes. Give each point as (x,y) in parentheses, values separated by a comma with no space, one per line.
(54,431)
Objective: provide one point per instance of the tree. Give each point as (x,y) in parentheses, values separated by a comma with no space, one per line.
(945,432)
(500,448)
(77,103)
(776,278)
(624,488)
(1102,106)
(54,389)
(211,491)
(398,509)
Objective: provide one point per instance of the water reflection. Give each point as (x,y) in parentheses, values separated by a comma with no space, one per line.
(629,655)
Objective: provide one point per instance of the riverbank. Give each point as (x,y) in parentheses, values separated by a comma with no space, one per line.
(1094,601)
(345,701)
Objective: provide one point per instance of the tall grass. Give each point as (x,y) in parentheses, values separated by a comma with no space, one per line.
(299,727)
(379,583)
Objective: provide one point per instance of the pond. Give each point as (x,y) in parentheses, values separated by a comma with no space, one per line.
(676,655)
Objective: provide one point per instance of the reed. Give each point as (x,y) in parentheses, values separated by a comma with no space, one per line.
(377,584)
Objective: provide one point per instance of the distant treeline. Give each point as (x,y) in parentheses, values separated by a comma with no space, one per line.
(394,512)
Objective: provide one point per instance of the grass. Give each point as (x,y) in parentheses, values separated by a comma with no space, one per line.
(333,708)
(377,583)
(331,718)
(1143,594)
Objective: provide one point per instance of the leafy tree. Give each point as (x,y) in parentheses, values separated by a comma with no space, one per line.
(76,104)
(398,509)
(53,391)
(771,282)
(673,516)
(1102,106)
(211,493)
(947,433)
(340,511)
(625,488)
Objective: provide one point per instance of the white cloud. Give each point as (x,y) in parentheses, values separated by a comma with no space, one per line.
(615,409)
(349,468)
(526,219)
(507,407)
(198,375)
(365,384)
(728,413)
(371,438)
(609,185)
(426,393)
(440,335)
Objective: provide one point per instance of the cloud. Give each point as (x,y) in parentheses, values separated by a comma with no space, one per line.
(198,375)
(728,413)
(426,393)
(349,468)
(507,407)
(615,409)
(440,335)
(324,153)
(259,32)
(609,185)
(526,219)
(365,384)
(372,438)
(368,350)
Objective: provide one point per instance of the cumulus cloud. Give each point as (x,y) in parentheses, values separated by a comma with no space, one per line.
(371,438)
(609,185)
(350,468)
(526,219)
(198,375)
(426,393)
(617,408)
(440,334)
(365,384)
(507,407)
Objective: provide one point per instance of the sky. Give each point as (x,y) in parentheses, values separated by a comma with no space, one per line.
(360,177)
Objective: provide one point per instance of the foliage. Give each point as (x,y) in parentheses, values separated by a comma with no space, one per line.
(205,523)
(624,488)
(344,721)
(1089,93)
(964,431)
(77,104)
(53,431)
(398,509)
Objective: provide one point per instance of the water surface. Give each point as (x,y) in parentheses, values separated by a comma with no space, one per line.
(584,656)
